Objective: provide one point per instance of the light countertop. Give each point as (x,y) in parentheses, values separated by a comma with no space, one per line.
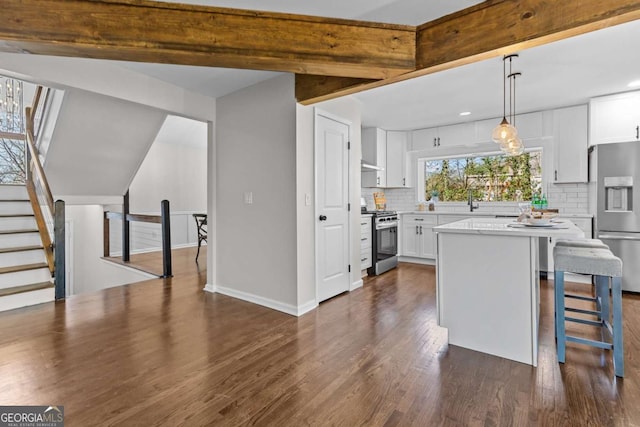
(509,227)
(481,212)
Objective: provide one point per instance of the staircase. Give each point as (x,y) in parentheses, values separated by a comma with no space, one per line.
(25,278)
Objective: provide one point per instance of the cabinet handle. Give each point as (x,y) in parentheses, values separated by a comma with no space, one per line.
(363,239)
(363,223)
(404,181)
(637,132)
(363,259)
(416,229)
(556,175)
(438,141)
(378,181)
(418,219)
(420,229)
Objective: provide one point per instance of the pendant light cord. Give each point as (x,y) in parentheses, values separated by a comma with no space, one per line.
(504,88)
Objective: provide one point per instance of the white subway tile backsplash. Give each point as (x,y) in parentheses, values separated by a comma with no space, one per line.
(568,198)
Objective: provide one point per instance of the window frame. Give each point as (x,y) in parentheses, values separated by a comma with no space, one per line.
(420,178)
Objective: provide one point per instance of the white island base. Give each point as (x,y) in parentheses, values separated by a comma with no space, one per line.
(488,285)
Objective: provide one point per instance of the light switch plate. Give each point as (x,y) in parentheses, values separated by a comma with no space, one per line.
(248,197)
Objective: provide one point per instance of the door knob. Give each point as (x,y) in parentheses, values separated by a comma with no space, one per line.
(323,218)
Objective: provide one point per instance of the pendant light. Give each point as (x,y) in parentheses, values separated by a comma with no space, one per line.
(504,131)
(514,146)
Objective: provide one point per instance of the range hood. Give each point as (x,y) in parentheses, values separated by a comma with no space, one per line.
(366,167)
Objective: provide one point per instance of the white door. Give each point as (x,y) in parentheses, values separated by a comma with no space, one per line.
(332,215)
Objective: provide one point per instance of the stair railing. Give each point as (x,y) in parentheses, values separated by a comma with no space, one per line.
(49,216)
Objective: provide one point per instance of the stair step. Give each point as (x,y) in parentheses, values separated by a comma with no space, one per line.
(20,249)
(15,207)
(21,278)
(25,288)
(19,240)
(24,299)
(18,231)
(26,267)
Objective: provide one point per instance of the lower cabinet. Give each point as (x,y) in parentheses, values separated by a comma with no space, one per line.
(418,239)
(365,242)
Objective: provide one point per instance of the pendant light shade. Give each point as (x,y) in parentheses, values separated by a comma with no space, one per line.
(513,147)
(503,132)
(506,133)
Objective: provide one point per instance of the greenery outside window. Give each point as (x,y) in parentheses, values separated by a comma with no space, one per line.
(492,177)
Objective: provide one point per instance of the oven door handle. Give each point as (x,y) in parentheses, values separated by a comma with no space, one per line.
(387,226)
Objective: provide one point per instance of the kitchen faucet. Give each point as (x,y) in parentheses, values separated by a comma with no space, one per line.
(470,201)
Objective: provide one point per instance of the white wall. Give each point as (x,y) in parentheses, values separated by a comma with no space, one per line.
(174,169)
(107,78)
(98,144)
(256,152)
(90,273)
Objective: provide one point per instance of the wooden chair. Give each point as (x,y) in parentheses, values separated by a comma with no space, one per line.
(201,225)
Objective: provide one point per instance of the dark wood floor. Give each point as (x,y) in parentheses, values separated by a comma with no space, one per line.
(167,353)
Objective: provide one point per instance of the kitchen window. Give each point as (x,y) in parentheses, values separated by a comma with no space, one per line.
(492,177)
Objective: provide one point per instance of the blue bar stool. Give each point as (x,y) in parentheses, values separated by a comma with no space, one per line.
(606,267)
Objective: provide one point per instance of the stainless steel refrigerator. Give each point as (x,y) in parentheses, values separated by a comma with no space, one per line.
(615,173)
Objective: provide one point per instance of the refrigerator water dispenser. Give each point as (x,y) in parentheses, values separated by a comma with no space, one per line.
(618,193)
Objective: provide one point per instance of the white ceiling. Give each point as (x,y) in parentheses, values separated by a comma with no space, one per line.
(564,73)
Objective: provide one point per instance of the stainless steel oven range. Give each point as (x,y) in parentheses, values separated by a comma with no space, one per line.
(384,242)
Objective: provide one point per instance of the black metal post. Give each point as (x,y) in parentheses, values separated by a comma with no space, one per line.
(166,239)
(59,250)
(126,249)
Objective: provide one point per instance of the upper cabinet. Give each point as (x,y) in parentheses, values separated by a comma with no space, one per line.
(397,159)
(374,152)
(570,145)
(615,118)
(387,150)
(443,136)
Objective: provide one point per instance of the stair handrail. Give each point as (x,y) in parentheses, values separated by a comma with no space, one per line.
(35,158)
(35,175)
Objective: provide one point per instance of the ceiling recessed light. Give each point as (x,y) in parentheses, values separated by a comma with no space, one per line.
(465,113)
(635,83)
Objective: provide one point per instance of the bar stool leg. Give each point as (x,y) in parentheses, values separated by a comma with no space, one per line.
(602,295)
(558,285)
(618,341)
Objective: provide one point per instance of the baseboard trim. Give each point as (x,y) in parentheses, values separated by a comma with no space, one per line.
(355,285)
(209,288)
(265,302)
(157,249)
(307,307)
(423,261)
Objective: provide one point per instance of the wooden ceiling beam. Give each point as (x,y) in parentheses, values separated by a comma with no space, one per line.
(484,31)
(148,31)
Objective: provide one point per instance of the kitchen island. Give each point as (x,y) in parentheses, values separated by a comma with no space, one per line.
(488,286)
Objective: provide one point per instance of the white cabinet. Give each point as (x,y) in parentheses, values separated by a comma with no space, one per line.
(424,139)
(374,151)
(615,118)
(417,236)
(443,136)
(365,242)
(530,126)
(460,134)
(396,159)
(387,150)
(570,144)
